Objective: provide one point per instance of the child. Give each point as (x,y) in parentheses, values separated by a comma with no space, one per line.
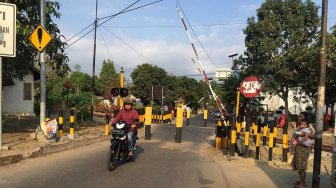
(301,134)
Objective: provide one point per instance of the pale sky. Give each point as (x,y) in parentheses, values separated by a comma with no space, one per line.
(155,35)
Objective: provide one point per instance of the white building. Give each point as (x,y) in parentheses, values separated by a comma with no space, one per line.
(223,73)
(295,104)
(19,98)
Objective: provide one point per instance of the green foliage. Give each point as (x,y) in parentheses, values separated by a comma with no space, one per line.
(280,45)
(81,81)
(81,102)
(28,18)
(108,76)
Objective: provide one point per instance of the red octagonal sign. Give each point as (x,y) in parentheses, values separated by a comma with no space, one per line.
(250,87)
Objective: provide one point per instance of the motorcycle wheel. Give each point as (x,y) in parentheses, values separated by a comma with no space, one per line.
(111,161)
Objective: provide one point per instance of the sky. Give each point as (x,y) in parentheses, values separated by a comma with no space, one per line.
(155,34)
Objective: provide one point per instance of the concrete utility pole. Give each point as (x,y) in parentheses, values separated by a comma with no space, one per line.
(320,98)
(43,69)
(94,60)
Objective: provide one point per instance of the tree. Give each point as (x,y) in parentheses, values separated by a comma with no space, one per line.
(108,76)
(279,44)
(28,18)
(144,77)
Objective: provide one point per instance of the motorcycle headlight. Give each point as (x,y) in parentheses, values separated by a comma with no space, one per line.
(120,126)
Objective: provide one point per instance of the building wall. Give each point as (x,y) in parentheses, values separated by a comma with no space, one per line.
(295,107)
(13,98)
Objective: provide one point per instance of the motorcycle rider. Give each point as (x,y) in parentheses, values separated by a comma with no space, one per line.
(130,116)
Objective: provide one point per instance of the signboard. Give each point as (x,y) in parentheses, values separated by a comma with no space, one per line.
(250,87)
(40,38)
(7,30)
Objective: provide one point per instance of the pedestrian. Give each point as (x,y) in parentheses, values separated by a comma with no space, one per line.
(301,154)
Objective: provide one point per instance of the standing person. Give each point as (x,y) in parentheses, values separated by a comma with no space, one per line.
(130,116)
(301,155)
(300,118)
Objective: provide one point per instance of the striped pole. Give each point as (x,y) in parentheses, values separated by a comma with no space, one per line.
(270,142)
(275,134)
(72,122)
(148,121)
(60,123)
(225,135)
(107,126)
(233,136)
(188,117)
(220,106)
(265,129)
(285,141)
(219,134)
(255,128)
(258,139)
(247,137)
(179,123)
(205,117)
(238,120)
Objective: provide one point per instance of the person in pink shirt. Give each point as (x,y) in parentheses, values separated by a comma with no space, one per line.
(131,117)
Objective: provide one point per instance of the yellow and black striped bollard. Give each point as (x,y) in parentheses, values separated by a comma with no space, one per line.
(247,137)
(270,142)
(107,125)
(179,123)
(205,117)
(265,130)
(258,139)
(233,136)
(188,117)
(60,123)
(148,121)
(219,134)
(285,142)
(72,122)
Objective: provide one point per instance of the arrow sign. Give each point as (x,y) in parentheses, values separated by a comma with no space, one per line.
(40,38)
(250,87)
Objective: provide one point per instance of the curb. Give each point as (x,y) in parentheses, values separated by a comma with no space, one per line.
(49,149)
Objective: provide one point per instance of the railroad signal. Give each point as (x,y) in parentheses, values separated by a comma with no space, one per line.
(119,91)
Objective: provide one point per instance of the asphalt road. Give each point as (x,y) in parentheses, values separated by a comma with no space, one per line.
(159,162)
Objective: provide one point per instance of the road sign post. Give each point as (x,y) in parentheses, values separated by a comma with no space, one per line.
(7,43)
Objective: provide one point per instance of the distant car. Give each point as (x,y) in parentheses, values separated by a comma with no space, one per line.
(217,114)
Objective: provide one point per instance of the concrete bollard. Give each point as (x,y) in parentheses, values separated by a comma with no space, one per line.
(247,137)
(257,156)
(179,123)
(72,122)
(219,134)
(285,141)
(205,118)
(148,121)
(233,136)
(60,123)
(270,143)
(188,117)
(107,125)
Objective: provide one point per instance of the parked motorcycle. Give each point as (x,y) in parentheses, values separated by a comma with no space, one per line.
(119,145)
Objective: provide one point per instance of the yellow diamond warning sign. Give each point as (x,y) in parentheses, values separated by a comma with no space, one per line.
(40,38)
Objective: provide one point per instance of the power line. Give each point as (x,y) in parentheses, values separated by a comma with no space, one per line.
(114,15)
(175,26)
(128,45)
(108,51)
(99,24)
(196,35)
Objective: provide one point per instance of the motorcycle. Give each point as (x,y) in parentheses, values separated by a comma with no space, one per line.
(119,145)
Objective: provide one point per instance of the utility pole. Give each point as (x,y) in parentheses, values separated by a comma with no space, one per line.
(94,60)
(320,98)
(43,69)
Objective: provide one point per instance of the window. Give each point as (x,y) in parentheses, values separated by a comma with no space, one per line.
(27,91)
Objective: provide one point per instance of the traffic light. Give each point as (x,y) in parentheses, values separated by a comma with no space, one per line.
(119,91)
(123,92)
(115,91)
